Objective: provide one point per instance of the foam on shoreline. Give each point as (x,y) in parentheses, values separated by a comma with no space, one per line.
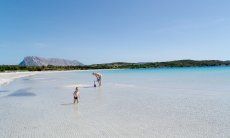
(6,78)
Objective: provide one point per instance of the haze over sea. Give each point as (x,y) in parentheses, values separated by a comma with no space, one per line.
(168,102)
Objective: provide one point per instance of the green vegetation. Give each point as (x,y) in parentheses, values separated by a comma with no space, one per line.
(120,65)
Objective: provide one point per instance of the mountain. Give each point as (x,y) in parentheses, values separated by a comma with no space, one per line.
(40,61)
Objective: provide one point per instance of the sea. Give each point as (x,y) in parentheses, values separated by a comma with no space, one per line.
(164,102)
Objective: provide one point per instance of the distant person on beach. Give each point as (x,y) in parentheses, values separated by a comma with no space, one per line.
(76,95)
(98,77)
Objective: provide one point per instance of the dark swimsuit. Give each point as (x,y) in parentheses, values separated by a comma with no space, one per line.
(75,97)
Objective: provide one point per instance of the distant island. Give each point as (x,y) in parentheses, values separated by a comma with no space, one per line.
(40,61)
(42,64)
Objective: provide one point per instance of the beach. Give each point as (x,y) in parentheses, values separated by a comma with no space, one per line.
(170,102)
(7,77)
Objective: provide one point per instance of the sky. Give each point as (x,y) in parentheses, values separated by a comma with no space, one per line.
(102,31)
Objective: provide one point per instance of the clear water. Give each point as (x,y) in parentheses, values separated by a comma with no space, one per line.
(178,102)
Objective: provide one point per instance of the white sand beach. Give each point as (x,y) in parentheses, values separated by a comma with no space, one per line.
(7,77)
(132,103)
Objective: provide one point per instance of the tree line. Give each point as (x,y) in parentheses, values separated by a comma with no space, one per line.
(119,65)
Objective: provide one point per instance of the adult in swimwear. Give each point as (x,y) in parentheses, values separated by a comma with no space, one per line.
(98,77)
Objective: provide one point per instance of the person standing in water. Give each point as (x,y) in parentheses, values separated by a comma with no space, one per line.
(76,95)
(98,77)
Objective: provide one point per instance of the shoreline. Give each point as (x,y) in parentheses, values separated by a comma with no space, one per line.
(18,71)
(8,77)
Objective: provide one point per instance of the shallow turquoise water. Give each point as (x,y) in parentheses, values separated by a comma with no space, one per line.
(169,102)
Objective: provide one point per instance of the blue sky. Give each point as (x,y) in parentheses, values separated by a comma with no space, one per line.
(100,31)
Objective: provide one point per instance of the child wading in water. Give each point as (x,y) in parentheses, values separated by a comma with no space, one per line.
(76,95)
